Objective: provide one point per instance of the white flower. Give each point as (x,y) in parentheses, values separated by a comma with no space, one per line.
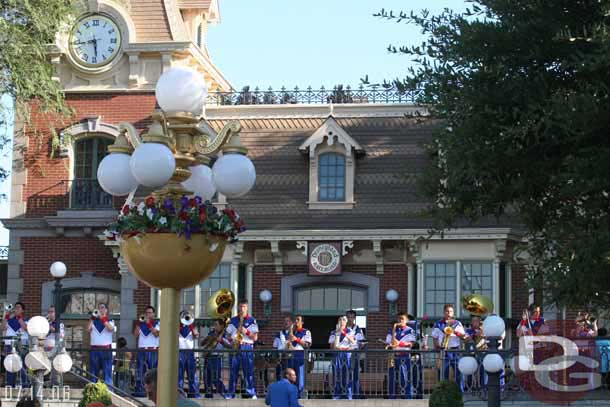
(108,234)
(163,221)
(141,207)
(149,213)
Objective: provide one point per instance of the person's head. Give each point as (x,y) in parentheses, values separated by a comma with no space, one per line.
(121,342)
(402,318)
(219,324)
(103,309)
(19,308)
(602,332)
(448,311)
(536,311)
(51,313)
(475,321)
(290,375)
(299,320)
(242,307)
(288,321)
(149,313)
(150,384)
(342,321)
(351,317)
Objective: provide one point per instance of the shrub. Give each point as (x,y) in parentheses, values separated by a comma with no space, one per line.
(96,392)
(446,394)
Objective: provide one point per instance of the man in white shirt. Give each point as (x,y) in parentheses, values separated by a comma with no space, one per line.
(242,326)
(354,330)
(450,331)
(147,333)
(14,326)
(187,336)
(280,342)
(101,329)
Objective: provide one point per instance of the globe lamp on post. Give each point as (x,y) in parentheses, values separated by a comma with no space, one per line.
(37,359)
(173,156)
(58,271)
(493,363)
(265,297)
(391,296)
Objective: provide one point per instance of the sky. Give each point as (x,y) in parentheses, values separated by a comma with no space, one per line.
(300,43)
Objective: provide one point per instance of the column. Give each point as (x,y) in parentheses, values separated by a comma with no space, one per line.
(129,309)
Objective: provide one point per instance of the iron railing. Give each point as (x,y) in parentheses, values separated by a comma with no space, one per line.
(88,194)
(78,193)
(338,95)
(375,374)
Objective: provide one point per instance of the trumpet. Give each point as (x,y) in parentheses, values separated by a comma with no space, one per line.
(448,331)
(142,318)
(288,341)
(95,314)
(8,308)
(186,318)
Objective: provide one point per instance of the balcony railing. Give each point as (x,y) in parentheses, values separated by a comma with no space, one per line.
(79,193)
(337,95)
(88,194)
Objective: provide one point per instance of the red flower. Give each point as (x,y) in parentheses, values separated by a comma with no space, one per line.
(202,216)
(192,202)
(184,215)
(230,213)
(126,210)
(150,202)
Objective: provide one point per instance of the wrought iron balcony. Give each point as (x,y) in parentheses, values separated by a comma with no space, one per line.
(338,94)
(88,194)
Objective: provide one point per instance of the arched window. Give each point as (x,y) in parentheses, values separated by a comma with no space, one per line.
(86,191)
(331,177)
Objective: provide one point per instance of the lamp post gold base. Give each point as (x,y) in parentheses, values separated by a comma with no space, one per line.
(167,374)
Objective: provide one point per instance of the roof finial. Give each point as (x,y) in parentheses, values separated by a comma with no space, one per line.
(331,108)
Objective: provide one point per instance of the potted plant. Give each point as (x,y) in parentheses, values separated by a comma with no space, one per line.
(446,394)
(96,393)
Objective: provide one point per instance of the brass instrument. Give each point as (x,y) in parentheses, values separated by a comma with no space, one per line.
(391,362)
(448,331)
(288,341)
(186,318)
(142,318)
(220,306)
(239,337)
(95,313)
(477,304)
(479,340)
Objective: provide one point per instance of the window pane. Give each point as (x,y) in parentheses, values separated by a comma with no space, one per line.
(303,302)
(77,303)
(317,299)
(101,297)
(89,299)
(331,177)
(358,299)
(114,305)
(330,298)
(440,287)
(345,298)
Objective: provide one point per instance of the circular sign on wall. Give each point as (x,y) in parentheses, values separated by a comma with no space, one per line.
(325,258)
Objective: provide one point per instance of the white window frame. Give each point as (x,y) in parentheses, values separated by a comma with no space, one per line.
(330,137)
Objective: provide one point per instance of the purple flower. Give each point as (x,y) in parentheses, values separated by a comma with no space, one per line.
(198,200)
(187,229)
(184,201)
(168,205)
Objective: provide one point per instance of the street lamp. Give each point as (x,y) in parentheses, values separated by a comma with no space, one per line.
(58,271)
(173,156)
(493,363)
(266,296)
(392,296)
(37,359)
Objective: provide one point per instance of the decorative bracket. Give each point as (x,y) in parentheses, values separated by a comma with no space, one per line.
(277,257)
(500,249)
(378,256)
(346,244)
(302,244)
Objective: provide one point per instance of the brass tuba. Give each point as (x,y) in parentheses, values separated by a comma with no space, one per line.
(477,304)
(220,304)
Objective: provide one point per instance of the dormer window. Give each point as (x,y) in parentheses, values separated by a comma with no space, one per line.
(331,177)
(332,165)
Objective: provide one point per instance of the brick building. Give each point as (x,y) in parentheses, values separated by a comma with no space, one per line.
(337,173)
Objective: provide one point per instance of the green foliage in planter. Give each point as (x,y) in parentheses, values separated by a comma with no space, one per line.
(96,392)
(446,394)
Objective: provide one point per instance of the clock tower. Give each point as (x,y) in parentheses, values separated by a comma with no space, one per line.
(108,60)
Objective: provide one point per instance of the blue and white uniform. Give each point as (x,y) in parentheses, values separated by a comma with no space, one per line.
(245,360)
(148,356)
(297,361)
(186,344)
(357,333)
(213,366)
(342,368)
(405,335)
(280,342)
(450,359)
(15,330)
(100,357)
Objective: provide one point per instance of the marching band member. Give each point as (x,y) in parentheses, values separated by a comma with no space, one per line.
(101,328)
(280,342)
(447,333)
(299,340)
(243,332)
(533,324)
(187,335)
(49,341)
(475,334)
(14,325)
(341,341)
(401,337)
(147,333)
(355,331)
(417,367)
(216,340)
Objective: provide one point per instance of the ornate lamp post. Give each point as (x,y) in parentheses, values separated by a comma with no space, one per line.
(173,157)
(58,271)
(391,296)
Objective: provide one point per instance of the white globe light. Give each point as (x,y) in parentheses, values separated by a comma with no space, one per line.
(181,89)
(468,365)
(38,327)
(234,175)
(200,182)
(58,269)
(265,296)
(114,175)
(38,360)
(152,164)
(62,362)
(391,295)
(493,363)
(493,326)
(12,363)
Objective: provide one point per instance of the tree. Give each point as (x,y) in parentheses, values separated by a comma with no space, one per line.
(26,29)
(523,88)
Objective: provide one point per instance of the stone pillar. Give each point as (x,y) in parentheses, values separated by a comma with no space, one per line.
(129,284)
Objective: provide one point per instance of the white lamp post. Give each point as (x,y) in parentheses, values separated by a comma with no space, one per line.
(36,359)
(392,296)
(266,296)
(493,363)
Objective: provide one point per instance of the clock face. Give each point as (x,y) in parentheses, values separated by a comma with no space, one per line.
(95,40)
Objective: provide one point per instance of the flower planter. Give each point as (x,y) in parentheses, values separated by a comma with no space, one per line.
(166,260)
